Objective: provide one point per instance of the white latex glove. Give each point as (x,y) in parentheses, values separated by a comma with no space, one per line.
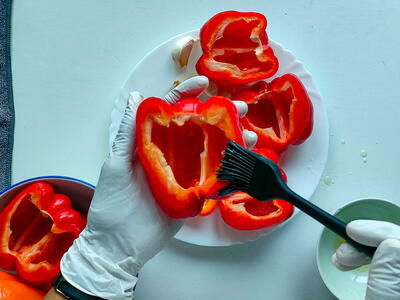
(192,87)
(125,225)
(384,274)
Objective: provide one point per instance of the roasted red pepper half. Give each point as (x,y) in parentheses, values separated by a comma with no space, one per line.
(280,112)
(235,49)
(180,147)
(36,228)
(243,212)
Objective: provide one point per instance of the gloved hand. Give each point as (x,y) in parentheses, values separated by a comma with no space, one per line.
(125,225)
(384,274)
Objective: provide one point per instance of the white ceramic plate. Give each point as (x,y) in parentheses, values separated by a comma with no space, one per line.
(154,76)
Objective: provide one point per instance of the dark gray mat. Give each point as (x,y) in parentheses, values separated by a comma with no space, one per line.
(6,95)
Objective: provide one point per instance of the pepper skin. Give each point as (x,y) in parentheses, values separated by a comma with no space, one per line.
(16,290)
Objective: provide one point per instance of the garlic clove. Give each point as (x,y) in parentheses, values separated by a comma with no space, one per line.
(182,50)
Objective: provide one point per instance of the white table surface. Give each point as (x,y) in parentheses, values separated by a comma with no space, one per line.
(70,59)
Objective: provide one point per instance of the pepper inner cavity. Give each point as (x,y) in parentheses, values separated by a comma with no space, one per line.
(235,46)
(28,225)
(272,111)
(263,115)
(258,208)
(192,148)
(56,246)
(181,146)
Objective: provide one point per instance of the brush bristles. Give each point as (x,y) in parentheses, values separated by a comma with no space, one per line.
(237,168)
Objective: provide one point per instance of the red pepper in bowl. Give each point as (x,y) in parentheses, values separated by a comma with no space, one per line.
(36,228)
(235,49)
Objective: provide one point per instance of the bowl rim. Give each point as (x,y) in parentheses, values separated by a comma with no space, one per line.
(5,190)
(323,228)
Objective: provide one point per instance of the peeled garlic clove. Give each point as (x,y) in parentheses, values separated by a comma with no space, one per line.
(182,49)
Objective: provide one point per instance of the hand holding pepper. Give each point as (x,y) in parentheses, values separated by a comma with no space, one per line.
(125,225)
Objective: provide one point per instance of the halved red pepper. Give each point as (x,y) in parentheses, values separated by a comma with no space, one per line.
(243,212)
(235,49)
(280,112)
(180,147)
(36,228)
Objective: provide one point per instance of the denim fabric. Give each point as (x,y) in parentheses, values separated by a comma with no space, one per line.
(6,95)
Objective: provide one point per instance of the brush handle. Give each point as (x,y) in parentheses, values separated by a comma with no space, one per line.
(325,218)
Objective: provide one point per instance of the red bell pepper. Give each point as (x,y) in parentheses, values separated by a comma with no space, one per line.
(243,212)
(36,228)
(180,147)
(280,112)
(235,49)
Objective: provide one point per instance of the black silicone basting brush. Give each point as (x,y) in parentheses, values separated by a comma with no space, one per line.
(261,178)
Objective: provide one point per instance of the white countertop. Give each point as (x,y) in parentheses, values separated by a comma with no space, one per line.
(70,59)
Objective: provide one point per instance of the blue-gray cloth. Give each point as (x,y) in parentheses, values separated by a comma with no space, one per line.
(6,95)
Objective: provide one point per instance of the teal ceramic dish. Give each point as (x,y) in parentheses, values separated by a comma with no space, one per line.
(351,285)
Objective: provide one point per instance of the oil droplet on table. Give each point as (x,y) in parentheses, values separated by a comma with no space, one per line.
(363,153)
(327,180)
